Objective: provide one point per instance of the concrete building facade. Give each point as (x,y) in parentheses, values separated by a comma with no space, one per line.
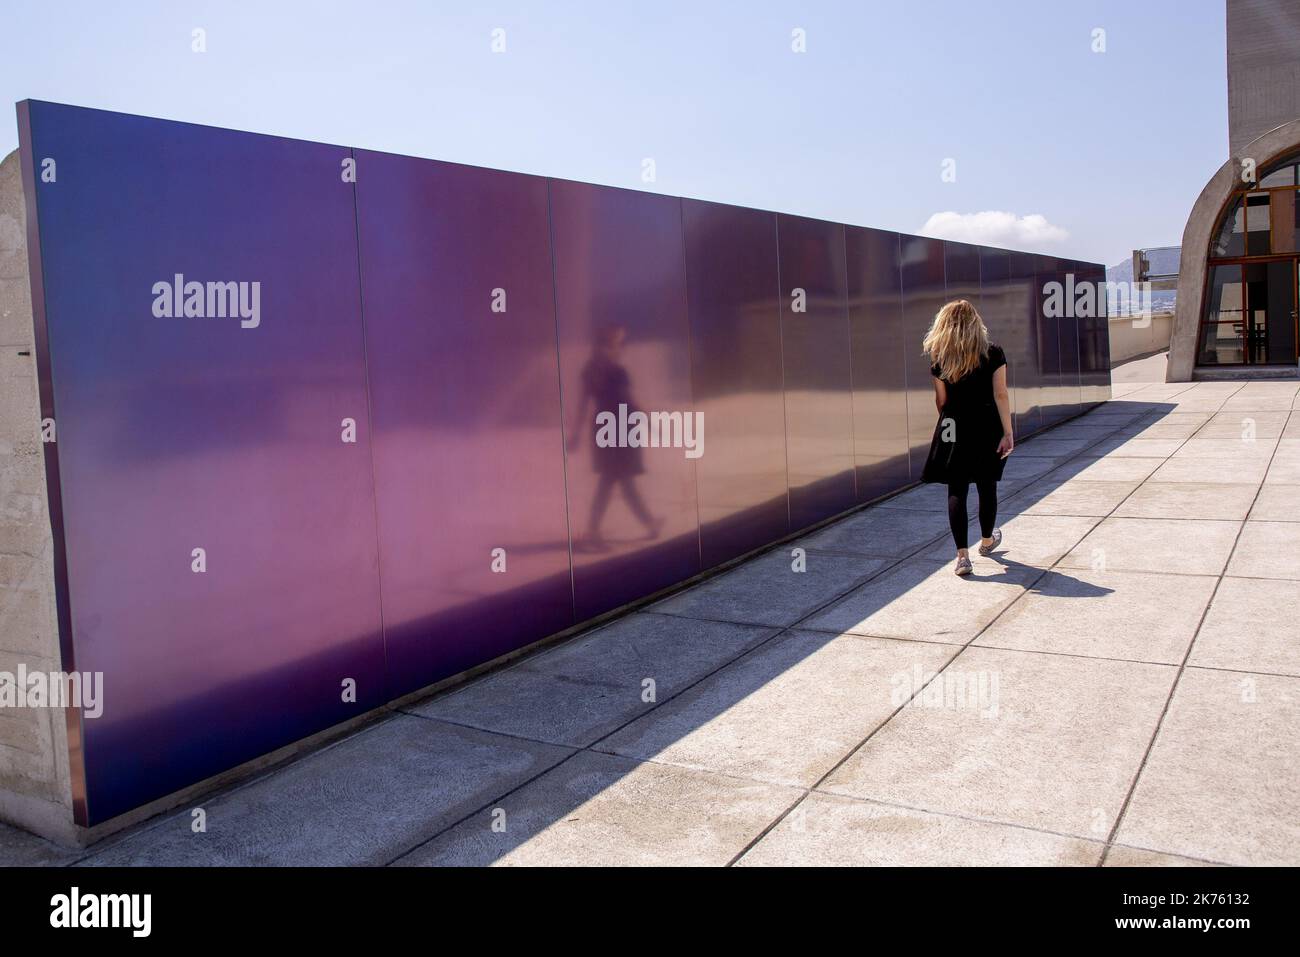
(1237,309)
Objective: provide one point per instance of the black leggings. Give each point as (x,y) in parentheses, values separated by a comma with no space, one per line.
(957,491)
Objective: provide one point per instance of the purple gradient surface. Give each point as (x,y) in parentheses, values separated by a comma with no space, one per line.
(620,293)
(997,306)
(818,375)
(923,295)
(1047,271)
(877,356)
(466,408)
(184,433)
(736,377)
(384,429)
(1025,340)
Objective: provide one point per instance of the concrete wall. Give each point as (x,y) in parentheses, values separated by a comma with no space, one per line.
(1263,68)
(1132,338)
(1202,222)
(34,788)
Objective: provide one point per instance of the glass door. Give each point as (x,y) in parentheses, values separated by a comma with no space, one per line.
(1270,331)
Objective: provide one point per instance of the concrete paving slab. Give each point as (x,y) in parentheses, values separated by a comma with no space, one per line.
(1172,425)
(1251,626)
(1188,500)
(1231,449)
(787,713)
(1115,411)
(929,497)
(1118,469)
(1060,754)
(1126,615)
(1122,446)
(923,600)
(1051,447)
(1197,547)
(1020,470)
(580,691)
(601,810)
(20,849)
(362,801)
(1267,550)
(1247,470)
(828,830)
(1088,431)
(1283,470)
(1136,857)
(886,532)
(1048,497)
(1235,425)
(1277,503)
(1037,540)
(1242,402)
(1219,783)
(772,589)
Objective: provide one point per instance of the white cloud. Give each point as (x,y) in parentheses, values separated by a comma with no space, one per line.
(994,227)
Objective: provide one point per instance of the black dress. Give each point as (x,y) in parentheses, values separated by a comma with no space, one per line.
(609,386)
(965,444)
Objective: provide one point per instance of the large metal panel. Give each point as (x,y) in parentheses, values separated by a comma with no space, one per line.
(624,343)
(464,385)
(1046,273)
(818,377)
(997,305)
(1071,327)
(923,296)
(961,266)
(1094,340)
(879,385)
(1103,335)
(736,378)
(204,431)
(1024,338)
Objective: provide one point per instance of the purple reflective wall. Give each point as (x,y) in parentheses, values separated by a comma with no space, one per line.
(923,295)
(736,378)
(185,433)
(413,425)
(879,386)
(815,354)
(1025,338)
(997,305)
(620,294)
(465,402)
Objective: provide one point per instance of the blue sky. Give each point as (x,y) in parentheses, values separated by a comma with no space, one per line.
(1110,149)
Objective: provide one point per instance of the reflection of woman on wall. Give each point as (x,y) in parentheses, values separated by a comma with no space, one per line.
(606,386)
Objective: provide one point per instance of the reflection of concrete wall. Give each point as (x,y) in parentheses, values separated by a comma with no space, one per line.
(1263,68)
(34,789)
(1134,338)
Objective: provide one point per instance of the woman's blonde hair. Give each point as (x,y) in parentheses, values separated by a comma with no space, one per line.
(957,341)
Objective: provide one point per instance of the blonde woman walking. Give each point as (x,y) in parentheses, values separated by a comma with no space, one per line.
(972,438)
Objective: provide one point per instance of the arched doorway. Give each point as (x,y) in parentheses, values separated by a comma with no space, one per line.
(1249,308)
